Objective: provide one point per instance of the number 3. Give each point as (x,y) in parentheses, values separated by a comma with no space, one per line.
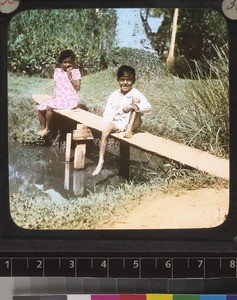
(229,8)
(232,4)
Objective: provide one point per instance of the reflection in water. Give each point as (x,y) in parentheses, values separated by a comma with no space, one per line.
(43,169)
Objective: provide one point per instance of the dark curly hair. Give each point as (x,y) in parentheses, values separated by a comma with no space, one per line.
(125,70)
(66,54)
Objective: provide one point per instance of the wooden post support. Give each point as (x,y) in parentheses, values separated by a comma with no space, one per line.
(67,176)
(78,183)
(81,135)
(124,160)
(68,147)
(79,156)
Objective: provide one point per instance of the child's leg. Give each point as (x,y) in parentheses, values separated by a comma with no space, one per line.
(108,129)
(49,117)
(45,118)
(41,115)
(135,121)
(42,118)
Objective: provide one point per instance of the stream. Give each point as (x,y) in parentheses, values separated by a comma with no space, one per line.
(44,168)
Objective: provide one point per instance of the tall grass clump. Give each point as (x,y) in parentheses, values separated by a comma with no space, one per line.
(199,114)
(37,37)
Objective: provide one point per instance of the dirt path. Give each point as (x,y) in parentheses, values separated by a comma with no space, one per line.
(201,208)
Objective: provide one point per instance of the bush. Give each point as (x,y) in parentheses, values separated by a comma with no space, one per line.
(144,62)
(37,37)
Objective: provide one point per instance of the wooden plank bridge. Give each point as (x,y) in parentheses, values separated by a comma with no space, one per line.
(153,144)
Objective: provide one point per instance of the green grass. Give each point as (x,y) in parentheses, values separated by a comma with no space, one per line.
(194,112)
(183,110)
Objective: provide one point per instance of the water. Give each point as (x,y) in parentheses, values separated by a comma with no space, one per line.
(43,169)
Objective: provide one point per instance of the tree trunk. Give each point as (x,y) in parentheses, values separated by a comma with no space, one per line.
(170,58)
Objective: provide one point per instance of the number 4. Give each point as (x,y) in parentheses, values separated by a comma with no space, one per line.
(104,264)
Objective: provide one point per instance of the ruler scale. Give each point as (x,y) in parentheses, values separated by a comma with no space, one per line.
(120,267)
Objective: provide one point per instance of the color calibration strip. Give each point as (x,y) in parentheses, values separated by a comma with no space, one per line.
(130,297)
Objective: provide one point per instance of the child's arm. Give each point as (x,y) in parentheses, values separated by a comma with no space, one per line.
(76,83)
(141,102)
(130,107)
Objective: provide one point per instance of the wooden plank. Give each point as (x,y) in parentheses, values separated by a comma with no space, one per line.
(148,142)
(82,116)
(40,98)
(186,155)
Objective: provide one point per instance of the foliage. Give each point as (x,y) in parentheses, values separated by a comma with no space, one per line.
(196,111)
(22,122)
(198,31)
(37,37)
(144,62)
(161,39)
(21,127)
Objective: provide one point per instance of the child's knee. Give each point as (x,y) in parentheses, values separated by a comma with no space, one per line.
(49,109)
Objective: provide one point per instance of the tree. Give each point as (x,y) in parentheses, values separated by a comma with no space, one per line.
(170,58)
(195,36)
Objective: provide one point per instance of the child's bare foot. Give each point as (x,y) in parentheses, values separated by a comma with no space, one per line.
(40,132)
(43,132)
(128,134)
(98,169)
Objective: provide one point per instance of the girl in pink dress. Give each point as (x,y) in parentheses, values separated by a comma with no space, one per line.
(67,81)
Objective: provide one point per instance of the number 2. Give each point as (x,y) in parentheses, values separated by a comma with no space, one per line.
(39,264)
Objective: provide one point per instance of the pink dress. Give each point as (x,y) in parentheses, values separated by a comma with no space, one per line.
(64,95)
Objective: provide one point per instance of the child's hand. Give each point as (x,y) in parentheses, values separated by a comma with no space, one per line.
(127,108)
(75,83)
(69,73)
(130,107)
